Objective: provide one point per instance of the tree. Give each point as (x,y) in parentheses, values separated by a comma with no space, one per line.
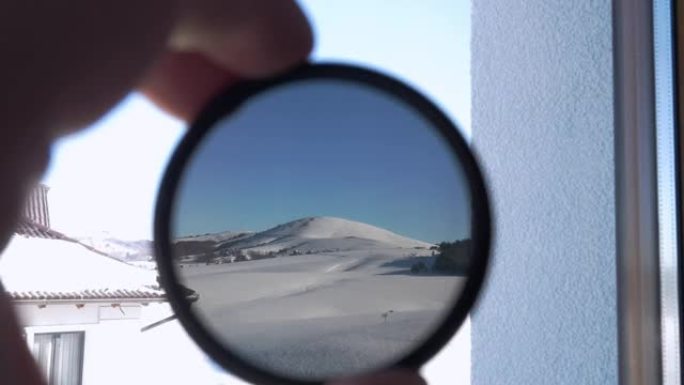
(206,257)
(419,267)
(240,256)
(453,257)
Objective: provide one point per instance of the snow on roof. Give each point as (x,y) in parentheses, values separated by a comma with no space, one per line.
(57,269)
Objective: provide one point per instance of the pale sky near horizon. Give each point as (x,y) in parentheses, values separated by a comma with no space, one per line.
(105,180)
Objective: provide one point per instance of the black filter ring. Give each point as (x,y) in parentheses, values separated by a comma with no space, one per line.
(228,102)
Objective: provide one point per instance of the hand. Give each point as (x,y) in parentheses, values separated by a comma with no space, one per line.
(67,63)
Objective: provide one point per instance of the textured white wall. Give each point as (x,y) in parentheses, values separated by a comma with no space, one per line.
(543,126)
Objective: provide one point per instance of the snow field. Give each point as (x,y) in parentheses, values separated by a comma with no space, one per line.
(322,315)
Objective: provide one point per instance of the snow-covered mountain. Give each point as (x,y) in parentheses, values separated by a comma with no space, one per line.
(301,236)
(310,235)
(320,234)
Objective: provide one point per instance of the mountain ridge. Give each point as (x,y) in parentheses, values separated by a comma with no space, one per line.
(320,234)
(315,234)
(326,227)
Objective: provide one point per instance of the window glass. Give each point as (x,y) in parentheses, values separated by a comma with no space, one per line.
(60,356)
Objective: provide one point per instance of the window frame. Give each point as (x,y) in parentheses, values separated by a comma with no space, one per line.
(31,341)
(647,193)
(669,203)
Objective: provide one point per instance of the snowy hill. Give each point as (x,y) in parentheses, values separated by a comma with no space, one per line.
(315,234)
(321,287)
(142,250)
(139,250)
(302,236)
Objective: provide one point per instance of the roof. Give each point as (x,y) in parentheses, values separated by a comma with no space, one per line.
(46,269)
(29,228)
(119,295)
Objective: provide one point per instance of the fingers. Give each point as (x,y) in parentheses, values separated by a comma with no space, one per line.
(65,64)
(249,37)
(216,42)
(182,82)
(394,377)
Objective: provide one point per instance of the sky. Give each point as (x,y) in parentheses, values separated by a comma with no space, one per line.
(325,148)
(104,181)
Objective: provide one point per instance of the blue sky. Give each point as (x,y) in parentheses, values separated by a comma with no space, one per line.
(325,148)
(106,179)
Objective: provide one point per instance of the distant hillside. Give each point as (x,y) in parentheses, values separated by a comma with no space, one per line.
(138,250)
(205,243)
(312,235)
(303,236)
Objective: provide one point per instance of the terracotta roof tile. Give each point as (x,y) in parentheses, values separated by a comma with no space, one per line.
(101,294)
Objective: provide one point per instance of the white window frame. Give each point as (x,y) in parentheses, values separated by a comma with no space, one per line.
(30,340)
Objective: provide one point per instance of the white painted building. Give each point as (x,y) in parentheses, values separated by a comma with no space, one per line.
(82,311)
(83,314)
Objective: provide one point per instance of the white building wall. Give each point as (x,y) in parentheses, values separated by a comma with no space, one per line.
(117,352)
(542,81)
(114,352)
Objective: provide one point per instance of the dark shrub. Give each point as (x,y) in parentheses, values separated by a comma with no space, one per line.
(419,267)
(453,257)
